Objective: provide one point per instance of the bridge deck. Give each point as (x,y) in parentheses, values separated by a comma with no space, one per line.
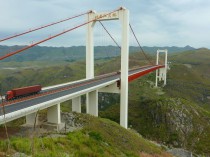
(75,87)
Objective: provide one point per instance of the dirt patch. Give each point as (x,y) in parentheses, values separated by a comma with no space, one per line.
(142,154)
(12,131)
(188,66)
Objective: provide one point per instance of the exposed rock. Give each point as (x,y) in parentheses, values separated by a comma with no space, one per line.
(55,135)
(176,123)
(188,66)
(178,152)
(18,154)
(71,122)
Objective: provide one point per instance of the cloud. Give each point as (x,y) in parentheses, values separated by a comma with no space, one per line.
(160,23)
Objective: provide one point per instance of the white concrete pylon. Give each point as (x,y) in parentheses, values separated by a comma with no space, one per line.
(123,15)
(90,47)
(161,74)
(124,18)
(76,104)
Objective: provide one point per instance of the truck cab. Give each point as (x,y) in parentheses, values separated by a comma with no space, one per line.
(9,95)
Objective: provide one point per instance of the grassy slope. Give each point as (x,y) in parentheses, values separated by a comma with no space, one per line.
(172,121)
(198,56)
(99,137)
(188,83)
(189,76)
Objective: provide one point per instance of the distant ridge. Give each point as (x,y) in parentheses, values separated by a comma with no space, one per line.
(197,56)
(171,49)
(44,53)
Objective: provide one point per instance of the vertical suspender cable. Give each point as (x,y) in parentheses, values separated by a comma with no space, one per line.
(148,59)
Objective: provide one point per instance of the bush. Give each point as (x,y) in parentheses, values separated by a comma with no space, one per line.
(95,135)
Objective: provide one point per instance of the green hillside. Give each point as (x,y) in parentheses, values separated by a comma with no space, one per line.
(175,122)
(98,137)
(188,83)
(189,77)
(198,56)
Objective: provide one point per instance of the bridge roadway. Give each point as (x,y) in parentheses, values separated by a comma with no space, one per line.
(76,87)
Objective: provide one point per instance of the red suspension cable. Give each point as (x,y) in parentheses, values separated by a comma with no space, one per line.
(134,36)
(48,25)
(110,35)
(148,59)
(54,36)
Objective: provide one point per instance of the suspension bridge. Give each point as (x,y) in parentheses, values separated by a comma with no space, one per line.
(51,97)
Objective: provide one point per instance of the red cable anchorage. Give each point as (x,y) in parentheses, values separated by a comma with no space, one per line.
(54,36)
(45,26)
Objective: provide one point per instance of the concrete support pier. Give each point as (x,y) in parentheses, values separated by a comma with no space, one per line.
(30,119)
(92,103)
(54,118)
(76,104)
(54,114)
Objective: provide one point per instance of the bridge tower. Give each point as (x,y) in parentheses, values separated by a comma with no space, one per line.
(161,73)
(92,97)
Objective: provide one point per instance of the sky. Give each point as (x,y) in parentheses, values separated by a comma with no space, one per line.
(155,22)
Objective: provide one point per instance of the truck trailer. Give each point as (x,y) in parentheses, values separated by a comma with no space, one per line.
(21,92)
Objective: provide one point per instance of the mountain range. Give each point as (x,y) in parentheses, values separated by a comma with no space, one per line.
(74,53)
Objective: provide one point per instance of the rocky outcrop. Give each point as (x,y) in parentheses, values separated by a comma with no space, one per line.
(71,121)
(178,152)
(179,123)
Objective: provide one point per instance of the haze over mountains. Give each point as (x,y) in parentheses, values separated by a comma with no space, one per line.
(74,53)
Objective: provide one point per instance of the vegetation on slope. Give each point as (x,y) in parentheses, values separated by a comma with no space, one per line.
(188,83)
(198,56)
(98,137)
(173,121)
(189,77)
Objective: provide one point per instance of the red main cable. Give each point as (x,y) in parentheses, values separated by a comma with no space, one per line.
(54,36)
(140,46)
(48,25)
